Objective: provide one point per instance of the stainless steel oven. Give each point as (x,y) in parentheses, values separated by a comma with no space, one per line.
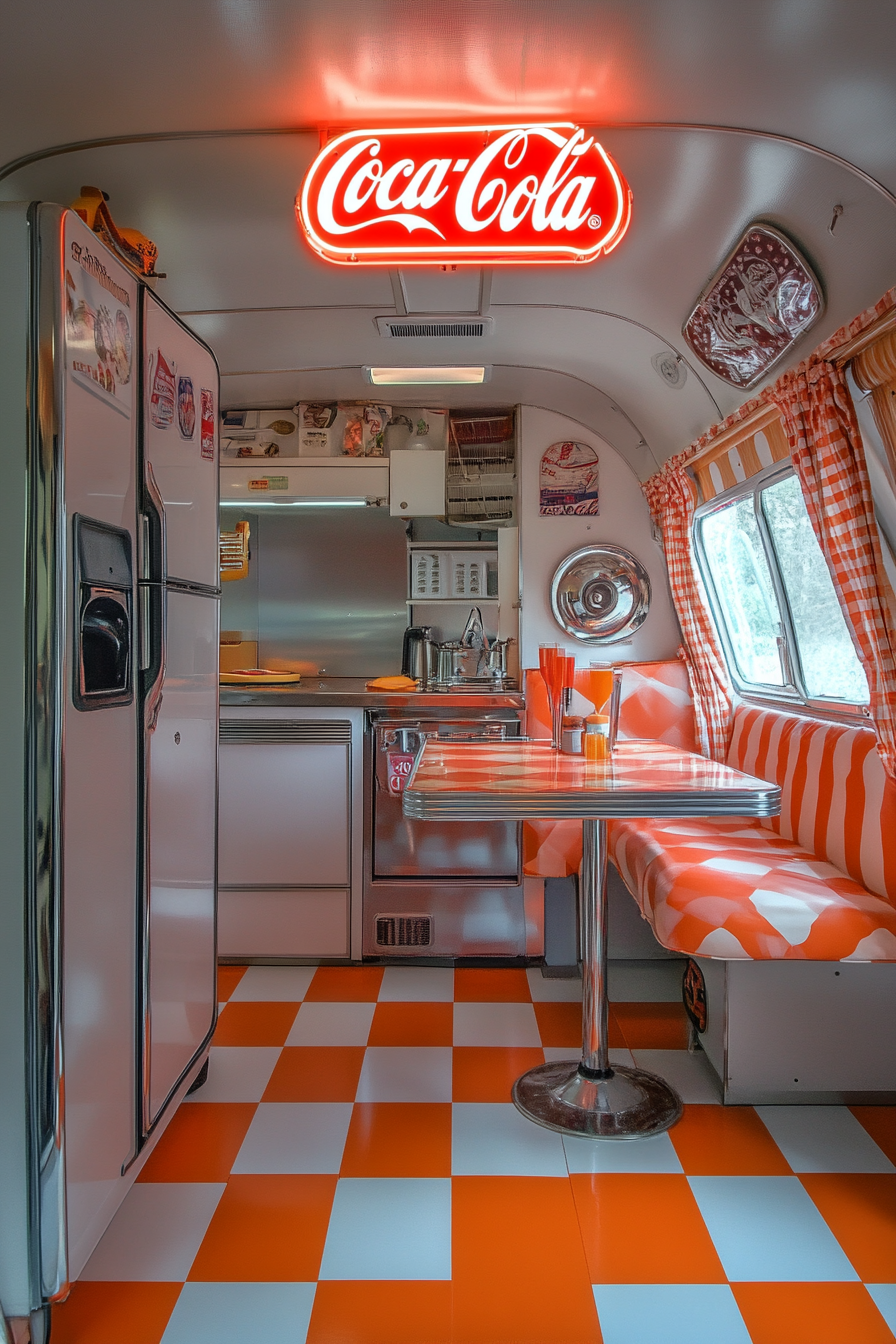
(436,888)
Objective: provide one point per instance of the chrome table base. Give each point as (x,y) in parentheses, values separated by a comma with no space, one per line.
(590,1097)
(629,1104)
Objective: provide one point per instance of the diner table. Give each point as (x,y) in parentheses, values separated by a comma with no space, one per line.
(528,780)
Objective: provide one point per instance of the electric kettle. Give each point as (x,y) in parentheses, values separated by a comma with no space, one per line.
(415,653)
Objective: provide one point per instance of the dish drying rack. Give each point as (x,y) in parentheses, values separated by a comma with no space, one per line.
(481,470)
(233,552)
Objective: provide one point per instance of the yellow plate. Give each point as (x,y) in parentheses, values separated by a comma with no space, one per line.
(259,678)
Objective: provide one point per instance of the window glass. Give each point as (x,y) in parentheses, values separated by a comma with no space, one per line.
(829,663)
(735,557)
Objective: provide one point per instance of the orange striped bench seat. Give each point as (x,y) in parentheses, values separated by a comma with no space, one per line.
(817,883)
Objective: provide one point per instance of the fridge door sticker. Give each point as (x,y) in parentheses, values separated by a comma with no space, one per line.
(270,483)
(186,408)
(161,398)
(399,764)
(568,480)
(98,329)
(207,424)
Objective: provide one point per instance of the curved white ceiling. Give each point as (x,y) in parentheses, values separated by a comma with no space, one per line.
(285,324)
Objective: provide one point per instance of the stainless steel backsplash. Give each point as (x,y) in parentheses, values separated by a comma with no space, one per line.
(331,590)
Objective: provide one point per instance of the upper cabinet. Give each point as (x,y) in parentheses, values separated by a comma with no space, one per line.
(417,484)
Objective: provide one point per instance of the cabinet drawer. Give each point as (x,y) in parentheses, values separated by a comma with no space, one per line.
(283,813)
(298,923)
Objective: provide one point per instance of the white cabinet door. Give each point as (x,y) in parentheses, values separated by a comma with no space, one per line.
(417,484)
(283,807)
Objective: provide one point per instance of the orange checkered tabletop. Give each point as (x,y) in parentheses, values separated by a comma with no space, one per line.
(530,779)
(525,780)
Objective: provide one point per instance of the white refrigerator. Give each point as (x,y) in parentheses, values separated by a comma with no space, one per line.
(108,735)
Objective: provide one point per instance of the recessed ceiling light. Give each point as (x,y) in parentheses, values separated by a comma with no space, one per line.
(428,374)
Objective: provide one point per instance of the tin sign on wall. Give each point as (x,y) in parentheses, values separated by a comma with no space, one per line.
(475,194)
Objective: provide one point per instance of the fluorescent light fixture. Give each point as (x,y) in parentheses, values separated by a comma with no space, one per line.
(348,502)
(429,374)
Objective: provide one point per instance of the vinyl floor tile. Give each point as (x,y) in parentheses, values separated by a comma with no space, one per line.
(560,1025)
(316,1073)
(200,1143)
(643,1228)
(487,1073)
(472,985)
(294,1138)
(234,1313)
(267,1229)
(417,984)
(618,1054)
(669,1313)
(652,1026)
(255,1023)
(332,1023)
(766,1228)
(155,1234)
(726,1141)
(494,1139)
(344,984)
(389,1229)
(811,1313)
(273,983)
(398,1139)
(690,1074)
(412,1024)
(880,1122)
(114,1313)
(547,989)
(823,1138)
(652,1155)
(860,1210)
(228,979)
(383,1312)
(237,1073)
(520,1275)
(884,1297)
(495,1024)
(406,1073)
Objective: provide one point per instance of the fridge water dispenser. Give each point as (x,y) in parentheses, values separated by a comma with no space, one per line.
(103,671)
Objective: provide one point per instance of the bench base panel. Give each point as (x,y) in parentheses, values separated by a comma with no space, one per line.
(812,1032)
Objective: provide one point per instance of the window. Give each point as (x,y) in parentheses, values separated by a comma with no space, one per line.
(774,601)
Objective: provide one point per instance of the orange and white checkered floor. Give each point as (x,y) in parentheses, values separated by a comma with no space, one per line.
(354,1172)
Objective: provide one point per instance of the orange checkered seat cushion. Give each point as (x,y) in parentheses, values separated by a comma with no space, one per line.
(817,883)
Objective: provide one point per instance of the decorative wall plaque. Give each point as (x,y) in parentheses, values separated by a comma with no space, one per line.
(761,301)
(568,480)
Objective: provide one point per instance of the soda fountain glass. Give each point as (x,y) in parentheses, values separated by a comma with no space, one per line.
(547,658)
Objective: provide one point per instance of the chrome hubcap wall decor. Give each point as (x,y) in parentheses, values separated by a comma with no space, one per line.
(600,594)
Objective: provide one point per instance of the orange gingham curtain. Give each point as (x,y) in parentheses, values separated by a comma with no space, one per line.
(829,459)
(671,495)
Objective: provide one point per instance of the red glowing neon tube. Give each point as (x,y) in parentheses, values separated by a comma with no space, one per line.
(542,193)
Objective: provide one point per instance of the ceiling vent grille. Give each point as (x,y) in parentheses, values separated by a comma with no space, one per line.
(445,327)
(404,930)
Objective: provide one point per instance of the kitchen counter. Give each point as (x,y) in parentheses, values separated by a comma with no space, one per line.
(333,692)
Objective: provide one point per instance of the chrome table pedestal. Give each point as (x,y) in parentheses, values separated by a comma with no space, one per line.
(592,1097)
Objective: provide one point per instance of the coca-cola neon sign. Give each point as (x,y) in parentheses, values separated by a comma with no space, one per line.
(545,193)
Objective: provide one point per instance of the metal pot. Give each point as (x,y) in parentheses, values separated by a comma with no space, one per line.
(455,662)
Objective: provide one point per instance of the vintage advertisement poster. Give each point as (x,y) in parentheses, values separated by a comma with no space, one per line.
(99,324)
(161,390)
(207,424)
(568,480)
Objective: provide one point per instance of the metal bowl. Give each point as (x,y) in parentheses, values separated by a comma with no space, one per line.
(600,594)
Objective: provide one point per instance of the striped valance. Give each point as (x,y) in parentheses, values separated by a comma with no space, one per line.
(876,365)
(756,442)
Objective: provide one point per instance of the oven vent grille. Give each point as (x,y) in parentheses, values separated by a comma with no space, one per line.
(434,328)
(258,731)
(404,930)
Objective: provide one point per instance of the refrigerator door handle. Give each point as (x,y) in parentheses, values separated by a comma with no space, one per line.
(154,649)
(153,533)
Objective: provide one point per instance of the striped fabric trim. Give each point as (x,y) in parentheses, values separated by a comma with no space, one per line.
(744,451)
(836,797)
(877,364)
